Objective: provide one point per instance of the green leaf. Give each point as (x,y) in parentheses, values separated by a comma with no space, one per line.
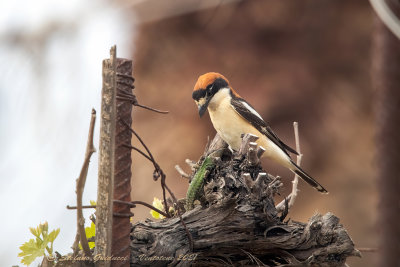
(39,241)
(30,251)
(36,247)
(53,235)
(90,231)
(34,231)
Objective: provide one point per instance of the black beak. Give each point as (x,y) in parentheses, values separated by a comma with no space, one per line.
(203,108)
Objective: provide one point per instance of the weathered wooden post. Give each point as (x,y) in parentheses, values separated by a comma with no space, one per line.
(112,221)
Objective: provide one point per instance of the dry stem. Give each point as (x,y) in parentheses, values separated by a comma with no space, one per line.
(292,196)
(181,172)
(80,185)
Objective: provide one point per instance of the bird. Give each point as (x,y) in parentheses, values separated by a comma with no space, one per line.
(232,116)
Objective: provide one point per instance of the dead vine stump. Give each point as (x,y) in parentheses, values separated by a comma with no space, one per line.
(236,223)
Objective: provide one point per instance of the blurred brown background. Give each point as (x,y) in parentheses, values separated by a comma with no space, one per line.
(306,61)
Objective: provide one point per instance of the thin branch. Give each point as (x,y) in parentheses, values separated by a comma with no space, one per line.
(368,249)
(292,196)
(295,181)
(181,172)
(192,164)
(80,185)
(83,207)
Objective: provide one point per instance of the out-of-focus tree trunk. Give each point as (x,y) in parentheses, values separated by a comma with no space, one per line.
(386,78)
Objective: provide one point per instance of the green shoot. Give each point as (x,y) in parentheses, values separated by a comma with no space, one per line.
(38,246)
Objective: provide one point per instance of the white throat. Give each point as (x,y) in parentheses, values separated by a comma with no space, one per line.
(216,100)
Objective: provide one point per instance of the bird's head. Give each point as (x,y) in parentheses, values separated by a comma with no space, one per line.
(206,87)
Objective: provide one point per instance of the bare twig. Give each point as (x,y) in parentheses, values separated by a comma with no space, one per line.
(80,185)
(192,164)
(292,196)
(181,172)
(368,249)
(83,207)
(295,181)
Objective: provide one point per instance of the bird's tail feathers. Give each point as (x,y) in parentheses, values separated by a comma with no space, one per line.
(308,179)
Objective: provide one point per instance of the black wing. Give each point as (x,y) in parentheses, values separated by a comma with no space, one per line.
(240,107)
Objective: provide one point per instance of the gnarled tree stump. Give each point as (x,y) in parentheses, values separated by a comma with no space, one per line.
(236,223)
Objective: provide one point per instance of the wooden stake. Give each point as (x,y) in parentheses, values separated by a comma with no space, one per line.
(106,161)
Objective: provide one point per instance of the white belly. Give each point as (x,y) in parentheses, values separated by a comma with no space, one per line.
(230,126)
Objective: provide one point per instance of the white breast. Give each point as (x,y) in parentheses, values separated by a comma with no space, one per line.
(230,126)
(226,121)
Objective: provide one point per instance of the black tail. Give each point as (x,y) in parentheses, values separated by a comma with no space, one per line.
(307,178)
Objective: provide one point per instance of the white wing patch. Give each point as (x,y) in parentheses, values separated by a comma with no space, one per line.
(251,109)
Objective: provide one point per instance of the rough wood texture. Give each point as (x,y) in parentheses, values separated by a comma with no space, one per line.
(237,223)
(106,161)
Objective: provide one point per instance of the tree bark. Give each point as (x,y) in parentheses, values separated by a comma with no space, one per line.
(237,223)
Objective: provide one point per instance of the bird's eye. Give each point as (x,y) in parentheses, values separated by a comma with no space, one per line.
(209,88)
